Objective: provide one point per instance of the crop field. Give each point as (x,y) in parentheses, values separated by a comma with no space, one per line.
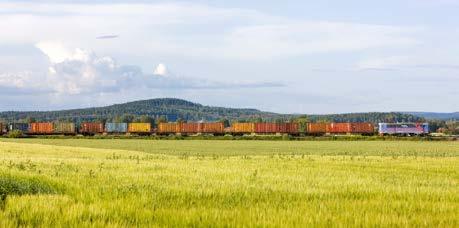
(131,182)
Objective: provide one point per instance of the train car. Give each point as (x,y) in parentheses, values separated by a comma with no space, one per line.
(2,129)
(64,128)
(139,128)
(190,128)
(351,128)
(212,128)
(362,128)
(91,128)
(169,128)
(23,127)
(318,128)
(43,128)
(289,128)
(267,128)
(274,128)
(116,128)
(241,128)
(339,128)
(403,128)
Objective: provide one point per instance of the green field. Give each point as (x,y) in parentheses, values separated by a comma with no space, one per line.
(102,182)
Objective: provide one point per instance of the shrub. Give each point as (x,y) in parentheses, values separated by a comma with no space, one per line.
(15,134)
(13,185)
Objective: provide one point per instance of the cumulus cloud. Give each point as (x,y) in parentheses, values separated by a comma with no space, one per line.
(79,71)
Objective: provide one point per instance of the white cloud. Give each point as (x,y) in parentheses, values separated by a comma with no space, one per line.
(161,70)
(18,80)
(80,71)
(191,30)
(291,39)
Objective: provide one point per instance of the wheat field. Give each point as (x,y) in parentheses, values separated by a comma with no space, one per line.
(119,183)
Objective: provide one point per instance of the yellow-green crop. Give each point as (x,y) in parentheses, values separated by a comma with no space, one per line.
(231,183)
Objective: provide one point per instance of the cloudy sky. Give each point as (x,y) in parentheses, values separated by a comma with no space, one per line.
(302,56)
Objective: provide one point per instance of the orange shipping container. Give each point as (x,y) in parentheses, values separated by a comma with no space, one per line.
(266,128)
(291,128)
(339,128)
(41,128)
(190,128)
(92,128)
(212,128)
(363,128)
(169,128)
(317,128)
(243,127)
(139,127)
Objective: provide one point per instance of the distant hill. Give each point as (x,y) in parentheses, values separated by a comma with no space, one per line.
(170,108)
(436,115)
(173,109)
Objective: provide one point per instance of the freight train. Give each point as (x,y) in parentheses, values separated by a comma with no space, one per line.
(217,128)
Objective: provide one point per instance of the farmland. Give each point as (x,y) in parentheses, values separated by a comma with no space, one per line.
(116,182)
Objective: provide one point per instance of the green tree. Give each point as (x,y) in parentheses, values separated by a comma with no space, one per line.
(127,118)
(226,122)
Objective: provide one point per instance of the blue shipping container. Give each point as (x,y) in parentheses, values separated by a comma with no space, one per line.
(116,127)
(24,127)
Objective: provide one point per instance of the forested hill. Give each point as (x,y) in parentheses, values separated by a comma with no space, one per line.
(169,108)
(437,115)
(173,109)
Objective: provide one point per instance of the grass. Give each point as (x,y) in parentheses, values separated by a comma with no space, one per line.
(232,183)
(241,148)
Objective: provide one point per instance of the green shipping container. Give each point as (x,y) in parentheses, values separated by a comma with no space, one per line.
(64,128)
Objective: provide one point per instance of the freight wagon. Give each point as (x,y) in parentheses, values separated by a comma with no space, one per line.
(274,128)
(362,128)
(139,128)
(267,128)
(212,128)
(189,128)
(168,128)
(350,128)
(289,128)
(339,128)
(64,128)
(116,128)
(23,127)
(318,128)
(242,128)
(44,128)
(403,128)
(91,128)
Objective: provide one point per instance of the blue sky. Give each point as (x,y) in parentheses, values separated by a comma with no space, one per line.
(289,57)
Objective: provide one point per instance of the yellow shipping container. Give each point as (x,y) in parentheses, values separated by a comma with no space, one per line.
(139,127)
(169,128)
(243,127)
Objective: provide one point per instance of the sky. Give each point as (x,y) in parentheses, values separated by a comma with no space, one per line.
(301,56)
